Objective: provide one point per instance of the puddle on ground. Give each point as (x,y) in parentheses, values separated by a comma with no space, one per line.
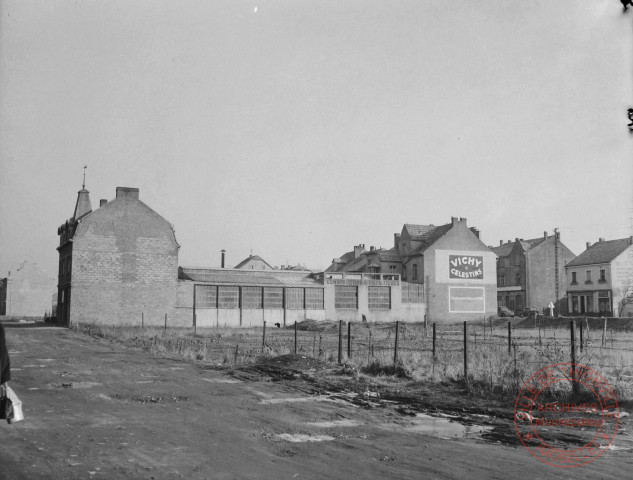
(315,398)
(222,380)
(335,423)
(442,427)
(85,384)
(300,437)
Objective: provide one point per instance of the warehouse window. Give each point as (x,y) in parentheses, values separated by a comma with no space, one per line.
(345,297)
(294,298)
(273,297)
(228,297)
(252,297)
(379,298)
(206,296)
(412,293)
(314,299)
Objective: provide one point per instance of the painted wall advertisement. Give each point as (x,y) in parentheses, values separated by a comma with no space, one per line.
(468,267)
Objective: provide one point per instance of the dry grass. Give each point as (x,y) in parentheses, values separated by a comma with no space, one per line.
(492,369)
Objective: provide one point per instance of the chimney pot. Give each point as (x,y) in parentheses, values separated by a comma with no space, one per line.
(588,244)
(500,242)
(545,235)
(601,239)
(102,202)
(222,252)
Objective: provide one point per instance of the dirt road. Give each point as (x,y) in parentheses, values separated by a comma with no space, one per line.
(98,410)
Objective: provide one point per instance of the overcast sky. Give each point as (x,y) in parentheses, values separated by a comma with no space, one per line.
(297,129)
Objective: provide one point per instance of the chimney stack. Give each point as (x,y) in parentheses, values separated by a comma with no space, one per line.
(222,263)
(396,239)
(588,244)
(102,202)
(601,239)
(545,235)
(500,242)
(127,192)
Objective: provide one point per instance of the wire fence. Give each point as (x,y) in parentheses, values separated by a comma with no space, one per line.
(493,351)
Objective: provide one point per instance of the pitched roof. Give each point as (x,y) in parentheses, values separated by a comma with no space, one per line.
(391,255)
(229,276)
(601,252)
(503,250)
(431,236)
(418,232)
(252,257)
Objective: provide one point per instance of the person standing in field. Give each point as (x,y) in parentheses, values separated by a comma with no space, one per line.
(5,365)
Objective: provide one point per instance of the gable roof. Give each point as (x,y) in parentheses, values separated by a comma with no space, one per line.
(391,255)
(254,258)
(503,250)
(418,232)
(601,252)
(430,236)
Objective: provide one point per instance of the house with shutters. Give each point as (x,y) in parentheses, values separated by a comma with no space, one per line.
(600,279)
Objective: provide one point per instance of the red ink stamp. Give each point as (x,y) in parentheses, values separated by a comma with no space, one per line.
(566,415)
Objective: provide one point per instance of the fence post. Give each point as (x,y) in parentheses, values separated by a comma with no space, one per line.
(580,329)
(165,322)
(509,339)
(142,320)
(235,359)
(340,341)
(466,352)
(264,338)
(604,332)
(434,340)
(295,337)
(395,350)
(349,339)
(574,384)
(369,348)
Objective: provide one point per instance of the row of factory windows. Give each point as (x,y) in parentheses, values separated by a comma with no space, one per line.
(293,298)
(296,298)
(378,298)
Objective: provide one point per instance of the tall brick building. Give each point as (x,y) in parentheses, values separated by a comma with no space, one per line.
(117,263)
(527,272)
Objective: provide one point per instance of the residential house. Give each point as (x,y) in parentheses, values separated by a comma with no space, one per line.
(117,264)
(600,279)
(531,273)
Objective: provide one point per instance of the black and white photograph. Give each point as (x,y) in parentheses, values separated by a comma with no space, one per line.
(316,239)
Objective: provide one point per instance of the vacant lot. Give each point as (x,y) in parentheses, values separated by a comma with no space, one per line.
(96,409)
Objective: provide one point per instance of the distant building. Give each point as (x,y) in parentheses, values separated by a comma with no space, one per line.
(527,273)
(116,264)
(26,292)
(453,267)
(254,262)
(600,279)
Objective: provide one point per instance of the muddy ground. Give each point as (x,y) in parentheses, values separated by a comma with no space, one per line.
(96,409)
